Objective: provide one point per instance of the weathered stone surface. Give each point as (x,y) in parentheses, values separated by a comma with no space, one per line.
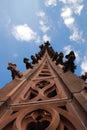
(44,98)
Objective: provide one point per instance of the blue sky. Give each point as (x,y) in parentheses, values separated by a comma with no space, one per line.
(25,24)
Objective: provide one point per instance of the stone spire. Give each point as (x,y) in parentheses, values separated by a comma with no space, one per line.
(48,96)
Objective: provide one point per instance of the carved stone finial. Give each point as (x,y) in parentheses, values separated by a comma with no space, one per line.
(44,47)
(47,43)
(85,87)
(84,76)
(38,56)
(55,56)
(41,46)
(14,71)
(69,64)
(34,60)
(60,58)
(28,65)
(51,52)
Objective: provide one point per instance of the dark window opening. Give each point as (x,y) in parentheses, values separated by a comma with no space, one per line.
(42,84)
(33,93)
(52,94)
(40,100)
(65,128)
(45,66)
(44,74)
(63,107)
(38,125)
(45,71)
(14,112)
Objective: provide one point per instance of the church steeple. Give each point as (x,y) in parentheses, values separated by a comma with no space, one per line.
(47,96)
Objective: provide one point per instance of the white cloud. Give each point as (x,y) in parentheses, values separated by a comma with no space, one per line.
(46,38)
(15,55)
(77,35)
(73,6)
(68,48)
(41,14)
(44,28)
(70,8)
(24,33)
(71,1)
(66,12)
(43,25)
(84,65)
(69,22)
(42,22)
(38,39)
(78,9)
(51,3)
(77,56)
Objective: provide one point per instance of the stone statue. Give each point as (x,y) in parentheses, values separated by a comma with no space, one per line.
(14,71)
(38,56)
(51,52)
(47,44)
(28,65)
(34,60)
(60,58)
(55,56)
(69,64)
(84,76)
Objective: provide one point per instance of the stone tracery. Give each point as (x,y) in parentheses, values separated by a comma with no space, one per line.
(42,101)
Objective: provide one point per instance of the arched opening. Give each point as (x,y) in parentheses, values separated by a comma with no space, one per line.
(38,125)
(51,92)
(32,94)
(65,128)
(42,84)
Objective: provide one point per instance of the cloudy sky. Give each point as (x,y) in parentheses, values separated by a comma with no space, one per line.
(25,24)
